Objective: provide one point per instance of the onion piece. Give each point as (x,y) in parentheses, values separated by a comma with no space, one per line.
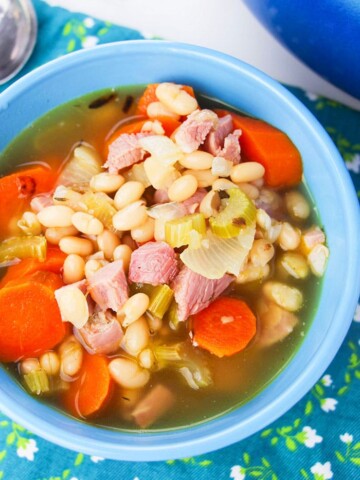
(84,163)
(218,256)
(163,148)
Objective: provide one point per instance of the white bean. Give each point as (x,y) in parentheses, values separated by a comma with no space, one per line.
(210,204)
(147,358)
(73,305)
(56,216)
(50,362)
(145,232)
(128,193)
(158,109)
(252,274)
(107,242)
(250,190)
(136,337)
(263,219)
(223,184)
(295,265)
(29,365)
(106,182)
(76,245)
(55,234)
(204,177)
(71,357)
(297,205)
(289,298)
(176,99)
(221,167)
(87,224)
(128,374)
(289,237)
(131,216)
(261,252)
(123,252)
(92,266)
(73,269)
(247,172)
(197,160)
(317,259)
(183,188)
(134,308)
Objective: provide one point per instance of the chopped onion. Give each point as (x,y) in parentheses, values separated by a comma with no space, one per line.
(218,256)
(84,163)
(163,148)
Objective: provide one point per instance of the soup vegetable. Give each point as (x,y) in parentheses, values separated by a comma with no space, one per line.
(160,260)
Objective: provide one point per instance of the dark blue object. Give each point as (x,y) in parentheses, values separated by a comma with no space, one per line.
(325,34)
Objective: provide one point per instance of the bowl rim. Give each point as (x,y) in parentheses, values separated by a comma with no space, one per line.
(221,431)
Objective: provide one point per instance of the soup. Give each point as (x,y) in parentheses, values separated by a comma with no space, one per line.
(161,257)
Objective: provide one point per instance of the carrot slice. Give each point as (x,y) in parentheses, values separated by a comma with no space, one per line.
(149,96)
(265,144)
(225,327)
(54,262)
(30,321)
(17,189)
(90,392)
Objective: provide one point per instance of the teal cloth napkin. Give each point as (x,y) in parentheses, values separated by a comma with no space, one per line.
(318,439)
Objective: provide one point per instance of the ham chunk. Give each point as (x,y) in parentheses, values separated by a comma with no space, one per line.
(108,286)
(193,292)
(215,140)
(231,150)
(193,132)
(155,403)
(124,152)
(192,204)
(39,202)
(154,263)
(101,334)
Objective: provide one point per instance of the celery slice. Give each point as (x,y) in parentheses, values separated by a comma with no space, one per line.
(172,316)
(238,213)
(188,362)
(37,382)
(178,231)
(23,247)
(160,300)
(100,205)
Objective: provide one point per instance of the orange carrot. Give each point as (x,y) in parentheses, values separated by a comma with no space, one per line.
(54,262)
(30,321)
(149,96)
(92,389)
(265,144)
(225,327)
(17,189)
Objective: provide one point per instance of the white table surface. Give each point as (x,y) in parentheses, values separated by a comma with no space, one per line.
(224,25)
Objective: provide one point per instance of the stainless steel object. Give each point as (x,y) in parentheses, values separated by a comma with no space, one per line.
(18,30)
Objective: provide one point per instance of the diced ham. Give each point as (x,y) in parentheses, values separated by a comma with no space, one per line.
(124,152)
(39,202)
(154,263)
(161,196)
(215,140)
(108,286)
(192,204)
(231,150)
(275,323)
(193,292)
(313,237)
(155,403)
(193,132)
(101,334)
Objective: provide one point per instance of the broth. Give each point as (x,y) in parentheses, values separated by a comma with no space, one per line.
(237,379)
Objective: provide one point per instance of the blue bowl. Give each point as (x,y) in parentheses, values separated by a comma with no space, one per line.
(324,34)
(248,89)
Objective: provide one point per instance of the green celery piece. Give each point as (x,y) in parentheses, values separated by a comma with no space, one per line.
(23,247)
(177,232)
(100,205)
(172,316)
(160,300)
(37,382)
(238,213)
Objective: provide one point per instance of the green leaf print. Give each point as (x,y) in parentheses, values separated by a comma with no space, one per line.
(266,433)
(290,444)
(71,45)
(10,439)
(79,459)
(246,458)
(309,407)
(339,456)
(67,29)
(355,461)
(2,455)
